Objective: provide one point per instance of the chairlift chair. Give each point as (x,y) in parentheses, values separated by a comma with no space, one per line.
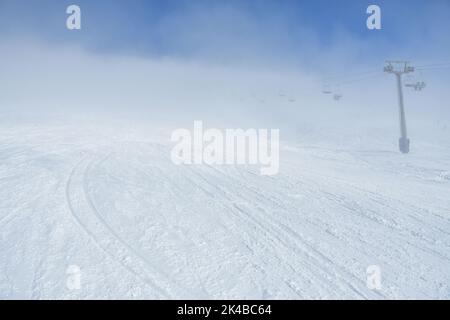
(337,93)
(337,96)
(327,89)
(416,84)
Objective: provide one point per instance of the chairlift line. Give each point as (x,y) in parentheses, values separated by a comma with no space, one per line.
(417,83)
(400,69)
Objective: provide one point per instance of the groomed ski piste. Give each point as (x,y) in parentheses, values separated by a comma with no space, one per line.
(139,227)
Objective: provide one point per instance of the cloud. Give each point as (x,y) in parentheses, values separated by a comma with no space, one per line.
(221,63)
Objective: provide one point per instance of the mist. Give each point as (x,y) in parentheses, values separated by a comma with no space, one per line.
(219,63)
(224,149)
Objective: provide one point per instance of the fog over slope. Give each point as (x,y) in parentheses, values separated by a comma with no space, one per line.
(88,188)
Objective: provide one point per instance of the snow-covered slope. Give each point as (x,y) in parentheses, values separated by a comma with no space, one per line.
(140,227)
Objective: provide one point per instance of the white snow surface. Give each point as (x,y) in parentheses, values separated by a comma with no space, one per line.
(140,227)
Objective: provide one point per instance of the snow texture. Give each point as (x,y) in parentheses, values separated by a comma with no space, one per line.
(138,226)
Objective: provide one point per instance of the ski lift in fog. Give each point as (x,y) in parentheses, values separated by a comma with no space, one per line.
(415,83)
(419,86)
(333,90)
(327,89)
(337,96)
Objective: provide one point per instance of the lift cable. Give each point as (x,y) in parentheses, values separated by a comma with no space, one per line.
(434,65)
(350,76)
(367,77)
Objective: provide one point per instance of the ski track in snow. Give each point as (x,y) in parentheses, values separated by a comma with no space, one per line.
(101,233)
(141,227)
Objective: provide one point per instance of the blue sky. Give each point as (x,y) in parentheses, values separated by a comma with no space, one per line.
(238,30)
(198,56)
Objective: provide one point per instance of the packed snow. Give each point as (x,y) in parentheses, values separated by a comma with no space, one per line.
(111,203)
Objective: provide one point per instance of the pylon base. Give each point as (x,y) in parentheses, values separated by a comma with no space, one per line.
(403,144)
